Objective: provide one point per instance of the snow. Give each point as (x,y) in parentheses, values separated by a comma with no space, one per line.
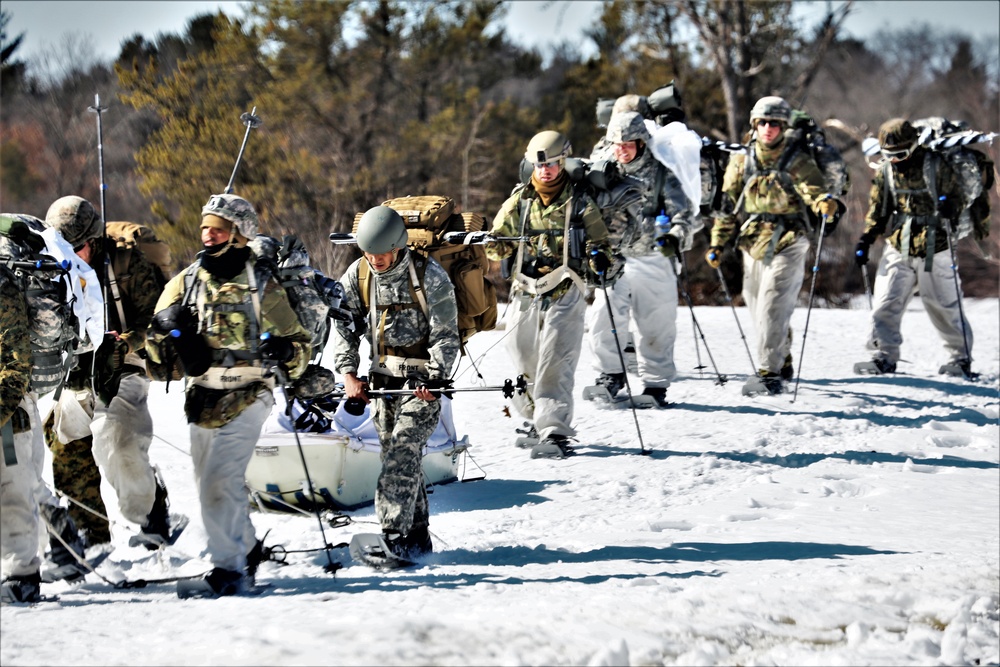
(857,525)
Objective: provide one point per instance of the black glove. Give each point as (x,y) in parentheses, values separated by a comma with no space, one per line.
(276,348)
(433,385)
(173,317)
(948,208)
(861,250)
(599,262)
(115,349)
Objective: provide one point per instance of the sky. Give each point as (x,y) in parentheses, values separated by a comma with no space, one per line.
(856,525)
(535,23)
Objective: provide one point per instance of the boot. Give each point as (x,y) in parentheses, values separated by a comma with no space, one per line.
(659,395)
(613,382)
(554,446)
(21,588)
(62,562)
(156,531)
(787,369)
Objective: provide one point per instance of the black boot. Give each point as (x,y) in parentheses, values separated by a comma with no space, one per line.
(613,382)
(64,559)
(156,531)
(21,588)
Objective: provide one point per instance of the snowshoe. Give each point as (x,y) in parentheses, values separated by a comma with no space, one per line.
(769,384)
(218,583)
(606,388)
(651,397)
(373,550)
(528,438)
(74,571)
(21,589)
(552,447)
(155,540)
(877,366)
(959,369)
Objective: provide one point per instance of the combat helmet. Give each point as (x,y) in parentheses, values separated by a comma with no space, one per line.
(381,230)
(897,138)
(548,146)
(771,108)
(627,126)
(236,210)
(75,218)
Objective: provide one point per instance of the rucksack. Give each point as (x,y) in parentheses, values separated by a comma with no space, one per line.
(53,323)
(130,235)
(428,218)
(973,168)
(314,297)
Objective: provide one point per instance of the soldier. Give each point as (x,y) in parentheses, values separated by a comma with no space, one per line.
(120,430)
(414,342)
(566,236)
(646,289)
(774,235)
(916,198)
(21,448)
(235,331)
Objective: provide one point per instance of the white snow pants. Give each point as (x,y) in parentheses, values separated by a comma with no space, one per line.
(220,459)
(19,519)
(896,282)
(123,432)
(771,293)
(545,347)
(646,291)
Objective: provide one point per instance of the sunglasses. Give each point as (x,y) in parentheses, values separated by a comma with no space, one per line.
(773,123)
(545,165)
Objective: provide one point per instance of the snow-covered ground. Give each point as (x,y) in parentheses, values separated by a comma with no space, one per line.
(857,525)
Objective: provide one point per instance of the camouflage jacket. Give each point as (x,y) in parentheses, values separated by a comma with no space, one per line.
(768,199)
(913,200)
(546,224)
(638,238)
(15,348)
(403,329)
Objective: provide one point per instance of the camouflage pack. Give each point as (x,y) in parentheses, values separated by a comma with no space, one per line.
(466,265)
(53,324)
(129,236)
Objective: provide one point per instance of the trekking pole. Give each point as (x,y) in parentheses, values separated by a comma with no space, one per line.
(958,289)
(732,306)
(694,330)
(720,379)
(868,286)
(621,358)
(330,566)
(508,388)
(102,277)
(251,121)
(812,288)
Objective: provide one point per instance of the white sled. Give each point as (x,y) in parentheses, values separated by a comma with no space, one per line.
(343,463)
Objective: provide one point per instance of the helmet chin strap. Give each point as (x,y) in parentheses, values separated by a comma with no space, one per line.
(220,250)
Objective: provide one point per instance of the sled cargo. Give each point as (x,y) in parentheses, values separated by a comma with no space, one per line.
(343,462)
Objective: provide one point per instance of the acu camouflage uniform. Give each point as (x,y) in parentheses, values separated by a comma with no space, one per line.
(18,416)
(74,468)
(401,332)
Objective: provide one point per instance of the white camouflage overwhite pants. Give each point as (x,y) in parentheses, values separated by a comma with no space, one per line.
(646,292)
(545,347)
(896,282)
(19,520)
(123,433)
(771,293)
(220,458)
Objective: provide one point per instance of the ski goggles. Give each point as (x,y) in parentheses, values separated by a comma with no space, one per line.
(899,154)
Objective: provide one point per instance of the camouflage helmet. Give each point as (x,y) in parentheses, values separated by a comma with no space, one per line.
(627,126)
(381,230)
(236,210)
(771,108)
(548,146)
(75,218)
(897,136)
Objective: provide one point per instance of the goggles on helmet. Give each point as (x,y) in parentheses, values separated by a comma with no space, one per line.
(899,154)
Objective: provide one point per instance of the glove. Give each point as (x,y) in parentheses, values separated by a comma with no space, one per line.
(116,349)
(861,250)
(276,348)
(599,262)
(173,317)
(670,243)
(947,208)
(434,385)
(714,256)
(828,208)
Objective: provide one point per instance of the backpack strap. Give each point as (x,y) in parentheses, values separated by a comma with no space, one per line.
(377,314)
(115,291)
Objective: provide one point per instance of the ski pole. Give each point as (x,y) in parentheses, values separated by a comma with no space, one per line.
(330,566)
(812,289)
(694,329)
(251,121)
(958,291)
(732,306)
(868,287)
(102,277)
(621,358)
(508,388)
(720,379)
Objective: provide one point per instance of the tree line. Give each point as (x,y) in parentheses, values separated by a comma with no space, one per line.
(362,101)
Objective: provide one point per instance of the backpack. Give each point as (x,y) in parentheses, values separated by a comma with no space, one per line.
(428,219)
(314,297)
(131,235)
(973,168)
(53,324)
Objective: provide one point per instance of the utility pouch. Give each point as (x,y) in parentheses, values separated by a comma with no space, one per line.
(214,408)
(577,243)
